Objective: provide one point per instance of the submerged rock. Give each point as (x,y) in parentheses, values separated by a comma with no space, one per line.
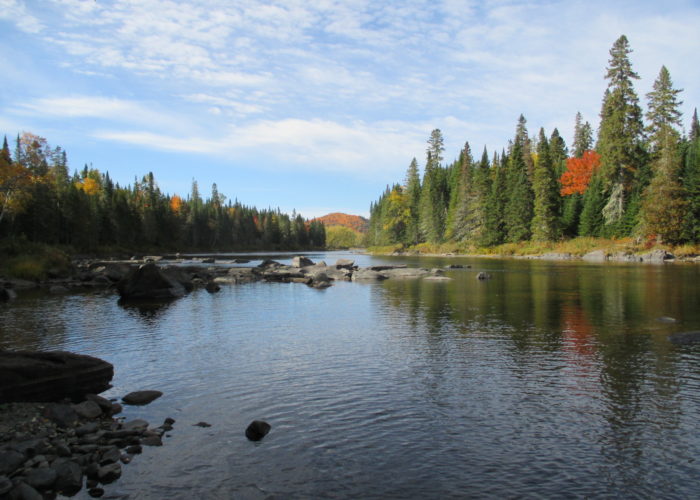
(685,338)
(257,430)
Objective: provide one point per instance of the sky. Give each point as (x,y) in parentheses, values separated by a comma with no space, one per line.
(316,106)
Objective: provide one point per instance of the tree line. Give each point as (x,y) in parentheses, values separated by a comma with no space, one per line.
(641,178)
(40,201)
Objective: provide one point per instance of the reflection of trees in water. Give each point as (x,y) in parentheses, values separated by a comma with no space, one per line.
(597,323)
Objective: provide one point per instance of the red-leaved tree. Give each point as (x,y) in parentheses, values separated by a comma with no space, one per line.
(578,173)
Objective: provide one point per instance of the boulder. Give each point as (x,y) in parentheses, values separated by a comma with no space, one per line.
(367,275)
(301,261)
(657,256)
(149,282)
(481,276)
(406,272)
(141,397)
(595,256)
(320,280)
(41,478)
(344,264)
(69,477)
(112,271)
(257,430)
(212,287)
(208,260)
(625,257)
(51,376)
(269,263)
(88,409)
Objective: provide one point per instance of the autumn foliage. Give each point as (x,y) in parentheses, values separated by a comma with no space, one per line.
(354,222)
(578,173)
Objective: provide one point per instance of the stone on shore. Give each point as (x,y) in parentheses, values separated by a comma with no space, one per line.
(139,398)
(51,376)
(595,256)
(482,276)
(344,264)
(368,275)
(257,430)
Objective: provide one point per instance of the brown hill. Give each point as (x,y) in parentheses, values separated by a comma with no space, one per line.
(354,222)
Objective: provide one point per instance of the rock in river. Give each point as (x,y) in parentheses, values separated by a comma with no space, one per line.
(141,397)
(257,430)
(51,376)
(149,282)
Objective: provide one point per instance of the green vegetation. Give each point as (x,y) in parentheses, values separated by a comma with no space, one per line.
(637,184)
(41,203)
(340,237)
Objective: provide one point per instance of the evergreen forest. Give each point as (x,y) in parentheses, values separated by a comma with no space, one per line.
(41,202)
(639,178)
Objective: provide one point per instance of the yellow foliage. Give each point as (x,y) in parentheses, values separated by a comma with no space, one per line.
(89,186)
(176,204)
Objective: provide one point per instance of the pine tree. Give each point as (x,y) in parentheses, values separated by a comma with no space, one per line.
(691,183)
(694,127)
(494,231)
(620,135)
(544,223)
(461,217)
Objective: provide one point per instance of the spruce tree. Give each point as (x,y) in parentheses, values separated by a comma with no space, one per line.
(694,126)
(519,205)
(412,197)
(494,231)
(591,221)
(583,137)
(544,223)
(620,135)
(664,204)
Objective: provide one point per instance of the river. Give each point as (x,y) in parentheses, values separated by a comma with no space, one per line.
(552,379)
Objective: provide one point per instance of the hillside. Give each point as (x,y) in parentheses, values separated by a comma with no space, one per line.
(354,222)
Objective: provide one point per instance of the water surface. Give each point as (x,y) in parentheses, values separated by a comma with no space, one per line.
(552,379)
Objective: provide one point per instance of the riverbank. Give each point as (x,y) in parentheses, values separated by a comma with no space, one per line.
(583,248)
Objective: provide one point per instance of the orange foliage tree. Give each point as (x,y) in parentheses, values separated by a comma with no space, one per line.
(578,173)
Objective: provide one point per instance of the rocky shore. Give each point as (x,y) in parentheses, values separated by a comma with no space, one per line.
(58,448)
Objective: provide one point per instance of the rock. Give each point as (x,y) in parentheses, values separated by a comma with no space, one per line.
(320,280)
(483,276)
(89,428)
(556,256)
(152,258)
(134,449)
(595,256)
(202,424)
(241,261)
(624,257)
(109,473)
(7,294)
(149,282)
(96,492)
(61,414)
(367,275)
(113,272)
(69,478)
(657,256)
(25,492)
(41,478)
(212,287)
(208,260)
(437,278)
(104,403)
(10,460)
(257,430)
(88,409)
(5,485)
(387,267)
(169,421)
(344,264)
(666,319)
(269,263)
(685,338)
(407,273)
(301,261)
(116,409)
(141,397)
(110,456)
(51,376)
(152,441)
(455,266)
(137,425)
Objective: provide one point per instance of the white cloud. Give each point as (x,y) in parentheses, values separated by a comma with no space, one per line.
(14,10)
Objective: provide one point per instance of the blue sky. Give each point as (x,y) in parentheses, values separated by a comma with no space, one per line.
(316,106)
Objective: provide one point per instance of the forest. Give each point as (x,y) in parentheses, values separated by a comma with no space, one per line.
(640,179)
(41,202)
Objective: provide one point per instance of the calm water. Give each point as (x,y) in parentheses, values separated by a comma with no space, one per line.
(552,380)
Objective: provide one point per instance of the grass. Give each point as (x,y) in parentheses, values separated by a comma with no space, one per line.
(33,261)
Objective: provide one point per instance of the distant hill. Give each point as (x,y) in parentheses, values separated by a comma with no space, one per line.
(354,222)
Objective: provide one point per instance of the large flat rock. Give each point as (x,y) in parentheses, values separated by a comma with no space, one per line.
(51,376)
